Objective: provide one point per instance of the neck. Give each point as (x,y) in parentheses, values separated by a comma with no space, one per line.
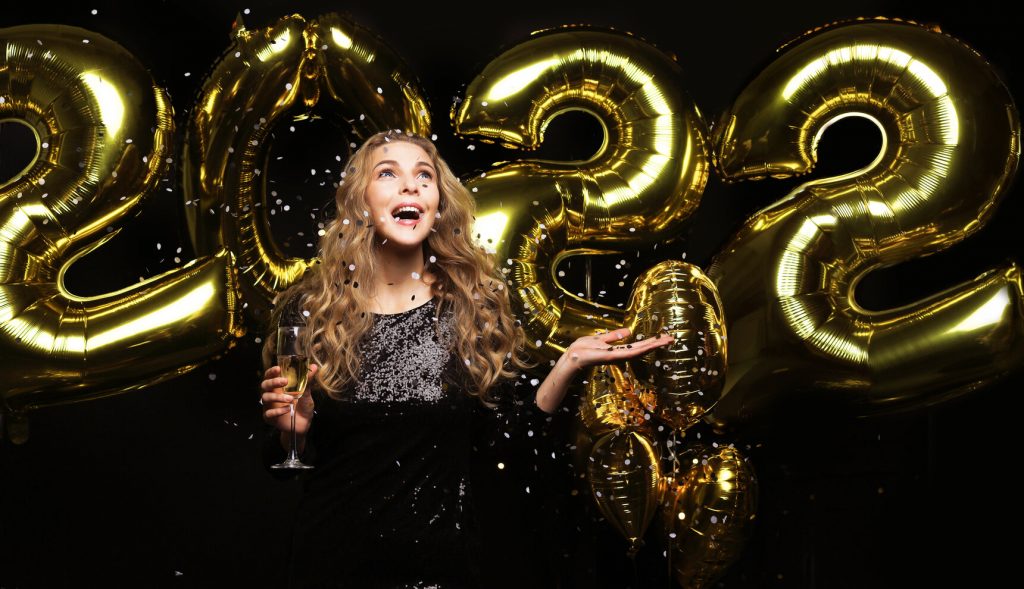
(394,285)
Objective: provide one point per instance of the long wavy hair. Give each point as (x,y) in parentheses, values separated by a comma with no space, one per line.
(488,341)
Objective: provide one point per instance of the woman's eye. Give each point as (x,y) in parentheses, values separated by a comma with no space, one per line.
(382,172)
(427,174)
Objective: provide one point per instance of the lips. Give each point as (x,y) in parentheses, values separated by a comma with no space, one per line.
(407,213)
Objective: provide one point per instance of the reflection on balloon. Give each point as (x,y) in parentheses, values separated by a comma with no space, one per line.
(612,400)
(268,77)
(104,133)
(646,178)
(950,146)
(708,512)
(623,473)
(686,376)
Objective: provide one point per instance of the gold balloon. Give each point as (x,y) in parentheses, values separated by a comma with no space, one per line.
(266,78)
(950,146)
(686,377)
(623,473)
(612,400)
(104,133)
(645,179)
(708,512)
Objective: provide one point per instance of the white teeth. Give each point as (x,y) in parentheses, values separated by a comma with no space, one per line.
(397,211)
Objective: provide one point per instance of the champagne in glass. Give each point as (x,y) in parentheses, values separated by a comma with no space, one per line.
(294,367)
(294,364)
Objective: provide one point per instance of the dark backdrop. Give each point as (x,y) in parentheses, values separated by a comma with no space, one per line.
(164,487)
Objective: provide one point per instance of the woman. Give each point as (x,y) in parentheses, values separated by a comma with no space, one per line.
(411,339)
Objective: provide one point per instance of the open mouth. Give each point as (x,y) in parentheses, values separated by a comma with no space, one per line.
(407,214)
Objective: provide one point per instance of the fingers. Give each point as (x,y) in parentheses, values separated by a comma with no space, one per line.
(271,413)
(277,398)
(601,341)
(272,372)
(591,351)
(614,335)
(637,348)
(272,384)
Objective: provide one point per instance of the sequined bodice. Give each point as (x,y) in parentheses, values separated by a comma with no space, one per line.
(404,356)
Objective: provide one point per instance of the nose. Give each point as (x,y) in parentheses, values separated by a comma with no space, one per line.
(410,185)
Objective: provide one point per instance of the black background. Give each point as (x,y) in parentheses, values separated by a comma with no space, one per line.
(164,487)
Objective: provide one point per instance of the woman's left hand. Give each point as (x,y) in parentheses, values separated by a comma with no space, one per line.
(587,351)
(600,349)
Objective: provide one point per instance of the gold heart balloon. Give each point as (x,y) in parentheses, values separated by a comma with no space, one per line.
(623,473)
(709,506)
(686,377)
(676,385)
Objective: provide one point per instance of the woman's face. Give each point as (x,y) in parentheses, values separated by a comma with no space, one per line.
(402,195)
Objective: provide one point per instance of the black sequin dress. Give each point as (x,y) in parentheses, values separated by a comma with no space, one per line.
(390,502)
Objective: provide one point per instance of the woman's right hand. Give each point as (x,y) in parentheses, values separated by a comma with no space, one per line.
(276,402)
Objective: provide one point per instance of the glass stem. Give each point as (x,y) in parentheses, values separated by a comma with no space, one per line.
(295,442)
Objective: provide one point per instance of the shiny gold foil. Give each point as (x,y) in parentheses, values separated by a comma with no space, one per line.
(623,473)
(611,400)
(708,511)
(685,377)
(104,134)
(635,191)
(950,147)
(264,78)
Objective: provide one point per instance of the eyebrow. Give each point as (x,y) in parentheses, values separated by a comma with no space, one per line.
(394,163)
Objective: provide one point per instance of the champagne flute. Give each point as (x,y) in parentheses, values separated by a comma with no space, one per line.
(294,366)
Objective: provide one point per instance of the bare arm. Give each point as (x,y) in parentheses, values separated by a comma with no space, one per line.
(586,351)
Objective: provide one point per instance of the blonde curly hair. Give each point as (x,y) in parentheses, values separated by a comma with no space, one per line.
(487,339)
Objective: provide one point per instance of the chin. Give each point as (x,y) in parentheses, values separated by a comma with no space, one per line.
(404,243)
